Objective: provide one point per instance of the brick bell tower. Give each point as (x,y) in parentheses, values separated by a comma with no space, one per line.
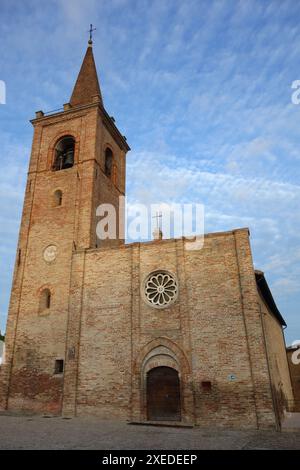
(77,162)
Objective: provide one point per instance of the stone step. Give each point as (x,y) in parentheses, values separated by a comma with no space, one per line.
(170,424)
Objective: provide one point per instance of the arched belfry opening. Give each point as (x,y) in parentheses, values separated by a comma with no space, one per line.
(163,394)
(108,162)
(64,153)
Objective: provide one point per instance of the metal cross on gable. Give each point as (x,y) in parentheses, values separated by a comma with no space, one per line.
(158,218)
(91,32)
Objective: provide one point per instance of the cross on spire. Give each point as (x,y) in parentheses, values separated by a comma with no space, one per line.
(91,33)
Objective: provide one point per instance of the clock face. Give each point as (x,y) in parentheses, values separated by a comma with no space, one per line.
(50,253)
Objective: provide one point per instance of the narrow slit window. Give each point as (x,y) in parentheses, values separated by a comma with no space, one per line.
(45,301)
(58,366)
(58,197)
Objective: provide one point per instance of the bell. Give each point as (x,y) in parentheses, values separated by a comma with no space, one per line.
(58,162)
(69,158)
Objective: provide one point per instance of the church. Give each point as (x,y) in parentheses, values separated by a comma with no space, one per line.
(141,332)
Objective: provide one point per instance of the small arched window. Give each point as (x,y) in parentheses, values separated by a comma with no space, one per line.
(45,300)
(64,153)
(108,162)
(58,195)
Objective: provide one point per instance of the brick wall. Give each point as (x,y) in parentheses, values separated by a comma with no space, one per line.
(204,334)
(277,359)
(295,376)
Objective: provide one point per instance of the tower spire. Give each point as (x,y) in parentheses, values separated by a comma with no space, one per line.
(87,83)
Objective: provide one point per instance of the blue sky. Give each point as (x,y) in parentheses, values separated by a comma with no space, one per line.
(201,89)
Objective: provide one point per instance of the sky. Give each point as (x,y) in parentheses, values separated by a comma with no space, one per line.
(202,91)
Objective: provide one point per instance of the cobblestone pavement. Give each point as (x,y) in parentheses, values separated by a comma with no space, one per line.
(21,432)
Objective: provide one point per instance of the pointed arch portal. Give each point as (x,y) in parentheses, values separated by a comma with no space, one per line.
(163,394)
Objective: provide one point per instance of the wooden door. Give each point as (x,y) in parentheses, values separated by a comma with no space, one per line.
(163,395)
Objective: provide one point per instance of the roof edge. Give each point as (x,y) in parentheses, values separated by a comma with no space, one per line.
(266,294)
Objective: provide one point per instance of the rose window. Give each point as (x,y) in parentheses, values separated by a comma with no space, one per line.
(161,289)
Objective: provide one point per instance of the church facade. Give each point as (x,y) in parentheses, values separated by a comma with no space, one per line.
(144,332)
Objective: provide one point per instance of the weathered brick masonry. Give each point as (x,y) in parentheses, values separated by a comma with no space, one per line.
(293,354)
(223,334)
